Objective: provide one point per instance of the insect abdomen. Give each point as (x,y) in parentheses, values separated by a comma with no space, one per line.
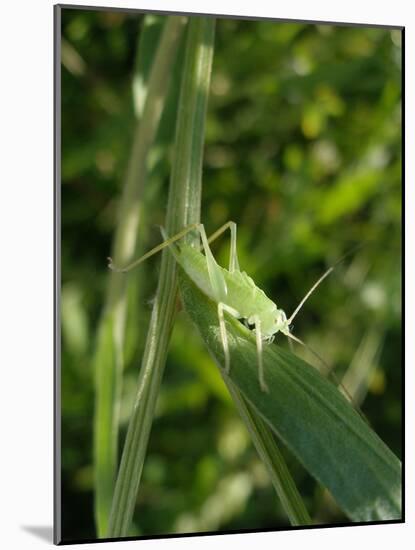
(242,293)
(194,264)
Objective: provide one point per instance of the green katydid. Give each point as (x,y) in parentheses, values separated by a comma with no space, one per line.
(232,289)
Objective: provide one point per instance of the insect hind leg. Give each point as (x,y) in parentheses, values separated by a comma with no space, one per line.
(167,242)
(233,257)
(216,277)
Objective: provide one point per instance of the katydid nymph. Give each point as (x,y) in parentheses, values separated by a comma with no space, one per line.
(232,289)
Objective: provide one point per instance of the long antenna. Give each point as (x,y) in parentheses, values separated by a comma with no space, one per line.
(324,363)
(321,279)
(309,293)
(331,373)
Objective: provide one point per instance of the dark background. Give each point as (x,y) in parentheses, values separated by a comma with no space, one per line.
(303,151)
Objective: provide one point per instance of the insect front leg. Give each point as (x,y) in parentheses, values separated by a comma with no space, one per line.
(224,336)
(258,335)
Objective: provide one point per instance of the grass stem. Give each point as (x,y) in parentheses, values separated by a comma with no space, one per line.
(183,208)
(108,358)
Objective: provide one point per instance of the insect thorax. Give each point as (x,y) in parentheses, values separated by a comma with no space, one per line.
(243,296)
(251,302)
(273,321)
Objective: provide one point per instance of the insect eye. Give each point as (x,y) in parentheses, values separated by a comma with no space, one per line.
(280,318)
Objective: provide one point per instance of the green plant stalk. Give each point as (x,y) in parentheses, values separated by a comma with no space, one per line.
(272,458)
(183,208)
(108,358)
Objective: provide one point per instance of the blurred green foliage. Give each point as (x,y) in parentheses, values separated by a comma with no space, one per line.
(303,151)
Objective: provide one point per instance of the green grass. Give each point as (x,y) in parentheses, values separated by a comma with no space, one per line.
(109,353)
(183,208)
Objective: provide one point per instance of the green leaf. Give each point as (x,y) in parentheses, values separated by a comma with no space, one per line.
(271,456)
(309,414)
